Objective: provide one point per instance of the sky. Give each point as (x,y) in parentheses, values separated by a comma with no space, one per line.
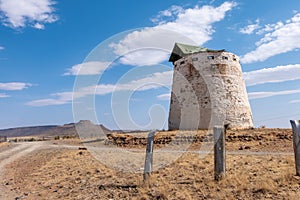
(107,61)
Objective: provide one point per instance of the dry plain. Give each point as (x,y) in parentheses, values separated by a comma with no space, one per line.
(259,165)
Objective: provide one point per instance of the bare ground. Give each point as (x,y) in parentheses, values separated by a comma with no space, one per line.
(260,165)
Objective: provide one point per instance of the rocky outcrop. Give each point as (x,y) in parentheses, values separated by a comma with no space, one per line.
(54,130)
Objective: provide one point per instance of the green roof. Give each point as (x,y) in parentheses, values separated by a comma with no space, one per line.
(182,50)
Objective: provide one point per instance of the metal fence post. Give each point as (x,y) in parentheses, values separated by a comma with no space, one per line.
(149,155)
(296,143)
(219,152)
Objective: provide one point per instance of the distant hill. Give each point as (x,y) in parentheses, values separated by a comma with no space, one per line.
(85,127)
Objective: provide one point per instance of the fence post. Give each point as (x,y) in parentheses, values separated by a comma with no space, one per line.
(219,152)
(149,155)
(296,143)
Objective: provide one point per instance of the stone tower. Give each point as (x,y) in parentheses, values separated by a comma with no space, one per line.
(208,90)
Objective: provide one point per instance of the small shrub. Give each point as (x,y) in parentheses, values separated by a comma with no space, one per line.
(56,137)
(31,140)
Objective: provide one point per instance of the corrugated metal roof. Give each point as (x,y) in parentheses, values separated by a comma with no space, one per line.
(182,50)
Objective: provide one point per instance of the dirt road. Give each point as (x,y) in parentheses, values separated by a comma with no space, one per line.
(15,151)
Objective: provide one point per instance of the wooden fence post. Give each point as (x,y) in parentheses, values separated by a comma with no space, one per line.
(219,153)
(296,143)
(149,156)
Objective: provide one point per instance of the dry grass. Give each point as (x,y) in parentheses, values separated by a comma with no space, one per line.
(3,144)
(74,174)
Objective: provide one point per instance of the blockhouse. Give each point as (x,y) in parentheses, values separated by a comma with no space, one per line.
(208,90)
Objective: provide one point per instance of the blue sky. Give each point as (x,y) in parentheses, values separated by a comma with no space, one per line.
(44,43)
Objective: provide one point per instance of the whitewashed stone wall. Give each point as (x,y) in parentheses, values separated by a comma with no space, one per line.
(208,90)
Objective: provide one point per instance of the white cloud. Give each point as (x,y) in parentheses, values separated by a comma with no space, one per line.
(153,81)
(144,57)
(259,95)
(192,25)
(39,26)
(279,38)
(295,101)
(249,29)
(14,86)
(196,23)
(20,13)
(147,47)
(58,99)
(88,68)
(272,75)
(163,97)
(1,48)
(170,13)
(271,27)
(46,102)
(3,95)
